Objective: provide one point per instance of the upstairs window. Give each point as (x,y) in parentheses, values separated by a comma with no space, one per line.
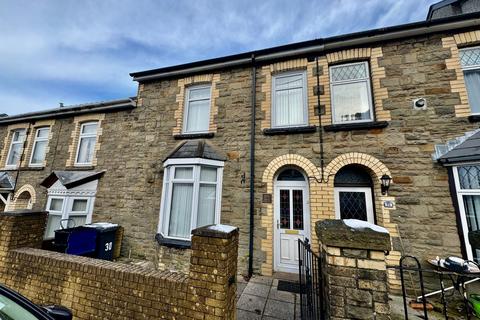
(191,197)
(86,143)
(39,147)
(197,109)
(289,100)
(351,93)
(470,62)
(16,147)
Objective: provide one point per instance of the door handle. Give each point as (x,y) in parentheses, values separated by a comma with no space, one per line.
(278,224)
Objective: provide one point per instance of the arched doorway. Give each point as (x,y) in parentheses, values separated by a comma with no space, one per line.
(24,201)
(291,217)
(353,193)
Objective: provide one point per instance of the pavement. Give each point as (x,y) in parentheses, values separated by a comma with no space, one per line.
(259,299)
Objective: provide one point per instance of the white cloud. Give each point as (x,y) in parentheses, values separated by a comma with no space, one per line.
(83,50)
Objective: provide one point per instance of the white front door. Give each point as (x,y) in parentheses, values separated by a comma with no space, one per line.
(354,203)
(292,222)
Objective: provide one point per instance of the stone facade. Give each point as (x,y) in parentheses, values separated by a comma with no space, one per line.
(133,144)
(107,290)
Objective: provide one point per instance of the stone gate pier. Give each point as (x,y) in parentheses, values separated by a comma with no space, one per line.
(354,269)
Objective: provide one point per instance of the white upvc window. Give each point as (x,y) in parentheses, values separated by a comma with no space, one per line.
(39,147)
(470,62)
(350,87)
(67,211)
(16,148)
(86,144)
(197,109)
(467,185)
(191,196)
(289,100)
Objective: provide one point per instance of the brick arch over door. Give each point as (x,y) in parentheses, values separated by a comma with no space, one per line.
(383,215)
(24,198)
(267,218)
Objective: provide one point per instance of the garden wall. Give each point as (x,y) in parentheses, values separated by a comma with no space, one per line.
(97,289)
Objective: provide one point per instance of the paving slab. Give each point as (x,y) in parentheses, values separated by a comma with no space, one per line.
(261,279)
(279,310)
(278,295)
(247,315)
(251,303)
(257,289)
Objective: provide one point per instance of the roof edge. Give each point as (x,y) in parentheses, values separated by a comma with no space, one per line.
(103,106)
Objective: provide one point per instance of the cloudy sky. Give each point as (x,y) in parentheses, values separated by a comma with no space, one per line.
(74,51)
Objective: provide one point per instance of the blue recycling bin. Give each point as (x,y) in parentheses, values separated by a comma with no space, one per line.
(79,241)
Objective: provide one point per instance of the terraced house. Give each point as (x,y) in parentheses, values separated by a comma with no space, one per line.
(272,141)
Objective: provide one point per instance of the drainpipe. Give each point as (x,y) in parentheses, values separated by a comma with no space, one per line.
(252,168)
(320,127)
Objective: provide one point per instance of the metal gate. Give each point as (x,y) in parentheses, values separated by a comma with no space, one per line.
(311,282)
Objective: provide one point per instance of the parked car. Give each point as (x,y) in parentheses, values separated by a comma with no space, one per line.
(14,306)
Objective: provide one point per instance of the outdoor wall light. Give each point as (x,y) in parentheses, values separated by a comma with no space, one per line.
(385,183)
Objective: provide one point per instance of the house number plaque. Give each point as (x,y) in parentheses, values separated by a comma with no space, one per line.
(267,198)
(389,204)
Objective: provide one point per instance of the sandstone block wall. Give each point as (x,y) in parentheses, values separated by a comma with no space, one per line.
(354,271)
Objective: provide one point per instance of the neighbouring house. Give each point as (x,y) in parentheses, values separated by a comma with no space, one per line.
(272,141)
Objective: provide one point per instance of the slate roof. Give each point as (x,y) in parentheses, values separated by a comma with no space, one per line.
(467,151)
(6,181)
(72,110)
(71,179)
(196,149)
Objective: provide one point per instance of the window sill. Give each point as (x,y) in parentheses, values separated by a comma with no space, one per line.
(193,135)
(474,118)
(172,243)
(290,130)
(356,126)
(80,168)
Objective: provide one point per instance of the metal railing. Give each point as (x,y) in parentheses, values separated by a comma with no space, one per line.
(311,282)
(441,297)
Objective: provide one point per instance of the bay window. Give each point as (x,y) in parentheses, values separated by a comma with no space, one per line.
(350,87)
(191,196)
(86,143)
(470,62)
(39,146)
(197,109)
(467,184)
(16,148)
(289,100)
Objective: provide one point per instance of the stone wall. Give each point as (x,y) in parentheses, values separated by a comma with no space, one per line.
(134,143)
(354,271)
(97,289)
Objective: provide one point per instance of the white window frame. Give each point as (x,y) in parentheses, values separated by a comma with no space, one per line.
(86,135)
(67,207)
(187,106)
(461,206)
(38,139)
(12,143)
(368,201)
(470,68)
(168,182)
(368,80)
(287,74)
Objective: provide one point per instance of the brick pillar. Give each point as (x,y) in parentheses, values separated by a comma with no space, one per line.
(354,268)
(213,270)
(22,228)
